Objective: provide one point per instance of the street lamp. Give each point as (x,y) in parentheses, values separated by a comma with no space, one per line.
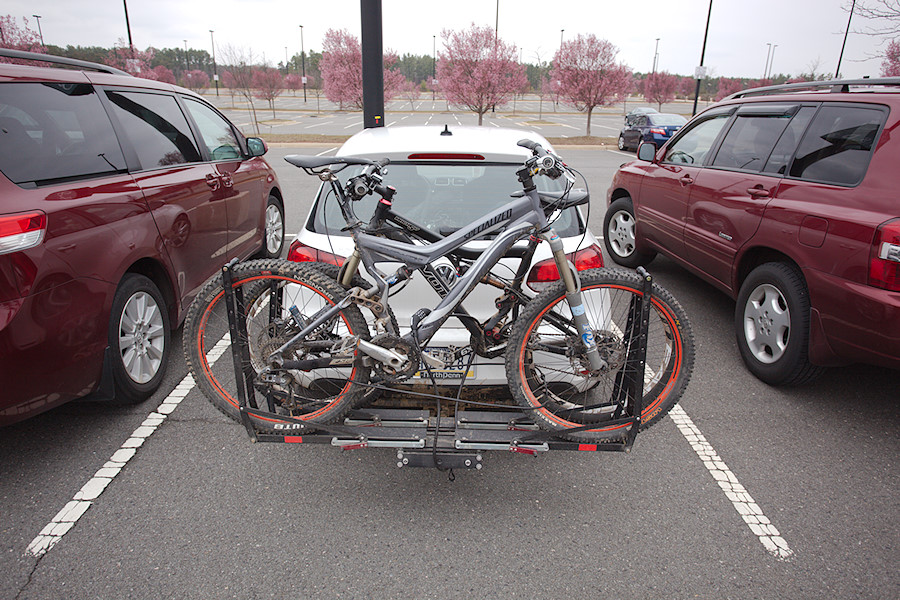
(772,62)
(38,17)
(656,55)
(768,53)
(186,65)
(433,65)
(215,70)
(303,62)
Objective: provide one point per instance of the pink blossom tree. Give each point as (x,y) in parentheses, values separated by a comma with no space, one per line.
(268,84)
(18,38)
(478,71)
(411,92)
(728,86)
(588,74)
(131,60)
(293,82)
(890,66)
(660,88)
(195,79)
(341,70)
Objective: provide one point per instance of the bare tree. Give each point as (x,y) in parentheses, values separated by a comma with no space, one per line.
(240,66)
(882,17)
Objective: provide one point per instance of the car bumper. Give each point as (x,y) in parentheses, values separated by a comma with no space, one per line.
(861,323)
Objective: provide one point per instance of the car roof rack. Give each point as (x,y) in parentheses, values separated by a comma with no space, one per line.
(834,86)
(62,60)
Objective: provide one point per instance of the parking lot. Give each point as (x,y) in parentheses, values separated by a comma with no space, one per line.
(747,492)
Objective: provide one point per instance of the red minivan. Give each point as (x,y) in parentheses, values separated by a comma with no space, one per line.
(119,198)
(786,199)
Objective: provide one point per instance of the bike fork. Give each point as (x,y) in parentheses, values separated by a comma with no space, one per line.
(569,276)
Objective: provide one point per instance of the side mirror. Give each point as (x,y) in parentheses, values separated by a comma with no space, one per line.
(256,146)
(646,151)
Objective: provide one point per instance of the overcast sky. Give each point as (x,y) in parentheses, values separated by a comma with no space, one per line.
(808,33)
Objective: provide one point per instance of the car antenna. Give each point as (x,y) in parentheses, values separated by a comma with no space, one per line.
(446,130)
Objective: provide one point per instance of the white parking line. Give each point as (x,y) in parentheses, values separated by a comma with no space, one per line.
(622,153)
(743,503)
(90,491)
(323,153)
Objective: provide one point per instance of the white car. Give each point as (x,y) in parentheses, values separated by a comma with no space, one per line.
(446,178)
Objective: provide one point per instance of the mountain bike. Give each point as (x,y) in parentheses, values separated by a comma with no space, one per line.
(595,357)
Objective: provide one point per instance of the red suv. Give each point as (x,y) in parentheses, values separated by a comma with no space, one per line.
(119,198)
(785,198)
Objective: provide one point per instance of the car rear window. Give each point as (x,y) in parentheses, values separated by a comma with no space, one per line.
(52,132)
(664,119)
(838,144)
(156,128)
(443,197)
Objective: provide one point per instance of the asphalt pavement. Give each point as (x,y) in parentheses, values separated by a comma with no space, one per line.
(170,499)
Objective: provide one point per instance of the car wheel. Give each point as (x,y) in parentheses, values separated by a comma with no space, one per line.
(139,337)
(621,143)
(772,325)
(619,229)
(273,241)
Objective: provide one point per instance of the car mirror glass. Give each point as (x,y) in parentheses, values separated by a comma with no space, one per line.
(646,151)
(256,146)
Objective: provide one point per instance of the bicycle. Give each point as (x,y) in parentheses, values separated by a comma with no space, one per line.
(595,357)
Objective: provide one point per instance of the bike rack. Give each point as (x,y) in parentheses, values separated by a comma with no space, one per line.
(421,436)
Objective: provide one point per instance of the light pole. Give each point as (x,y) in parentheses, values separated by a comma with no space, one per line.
(215,70)
(128,27)
(656,55)
(186,65)
(772,62)
(768,53)
(700,70)
(38,17)
(433,65)
(303,63)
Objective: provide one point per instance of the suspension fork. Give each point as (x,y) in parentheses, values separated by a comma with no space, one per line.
(569,276)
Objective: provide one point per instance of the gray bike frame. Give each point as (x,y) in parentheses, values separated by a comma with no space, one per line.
(519,216)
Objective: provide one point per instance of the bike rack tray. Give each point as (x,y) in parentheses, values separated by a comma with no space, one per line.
(426,437)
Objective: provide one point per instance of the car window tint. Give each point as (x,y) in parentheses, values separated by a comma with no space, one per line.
(51,132)
(156,128)
(220,141)
(692,147)
(787,143)
(749,141)
(838,144)
(445,197)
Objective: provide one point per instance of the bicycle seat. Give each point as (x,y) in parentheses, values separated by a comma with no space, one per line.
(315,162)
(560,200)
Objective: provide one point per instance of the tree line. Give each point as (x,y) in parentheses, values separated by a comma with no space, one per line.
(474,70)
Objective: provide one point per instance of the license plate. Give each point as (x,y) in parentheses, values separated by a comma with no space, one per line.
(452,370)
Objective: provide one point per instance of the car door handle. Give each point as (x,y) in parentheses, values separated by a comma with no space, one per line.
(758,192)
(227,180)
(213,181)
(686,180)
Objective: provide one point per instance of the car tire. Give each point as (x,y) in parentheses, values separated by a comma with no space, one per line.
(621,144)
(772,325)
(273,234)
(140,339)
(619,235)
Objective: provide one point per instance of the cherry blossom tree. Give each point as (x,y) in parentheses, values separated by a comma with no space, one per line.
(341,70)
(477,70)
(268,84)
(660,88)
(588,74)
(240,70)
(14,37)
(890,66)
(164,74)
(411,92)
(727,87)
(195,79)
(131,60)
(293,82)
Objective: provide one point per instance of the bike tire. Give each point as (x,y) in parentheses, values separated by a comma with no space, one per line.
(318,396)
(548,381)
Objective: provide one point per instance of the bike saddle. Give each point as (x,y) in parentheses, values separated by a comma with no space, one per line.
(316,162)
(560,200)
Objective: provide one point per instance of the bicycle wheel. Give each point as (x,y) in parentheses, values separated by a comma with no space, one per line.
(549,377)
(276,294)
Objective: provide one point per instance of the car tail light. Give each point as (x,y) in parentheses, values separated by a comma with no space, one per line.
(21,231)
(544,273)
(884,260)
(302,253)
(658,131)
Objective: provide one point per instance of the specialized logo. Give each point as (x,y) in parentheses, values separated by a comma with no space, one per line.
(490,223)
